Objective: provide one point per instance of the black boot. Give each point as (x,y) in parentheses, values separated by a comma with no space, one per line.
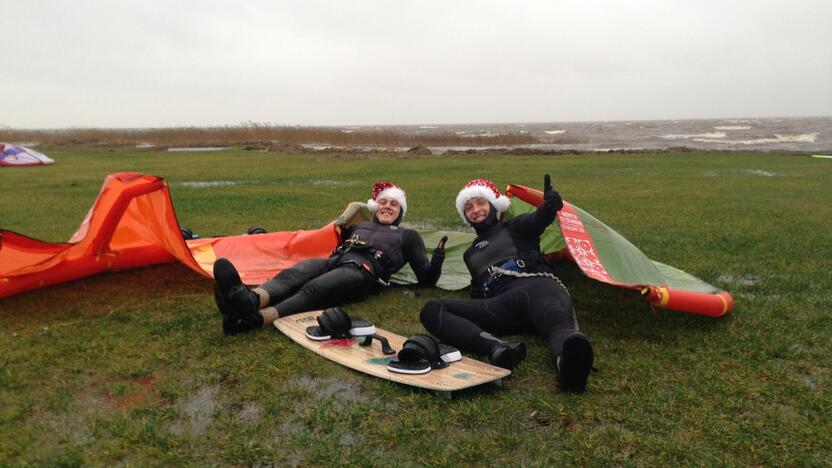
(230,322)
(507,354)
(502,353)
(235,300)
(574,363)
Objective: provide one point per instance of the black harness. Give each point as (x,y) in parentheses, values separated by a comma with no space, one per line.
(375,247)
(495,258)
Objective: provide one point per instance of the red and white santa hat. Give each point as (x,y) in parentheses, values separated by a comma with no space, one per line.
(481,188)
(386,189)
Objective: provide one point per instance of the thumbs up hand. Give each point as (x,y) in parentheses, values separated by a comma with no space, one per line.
(551,198)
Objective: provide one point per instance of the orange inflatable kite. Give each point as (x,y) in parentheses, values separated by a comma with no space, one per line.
(132,223)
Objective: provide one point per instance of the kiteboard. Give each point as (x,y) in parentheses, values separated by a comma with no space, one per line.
(371,358)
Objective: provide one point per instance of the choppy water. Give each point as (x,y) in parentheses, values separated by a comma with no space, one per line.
(769,134)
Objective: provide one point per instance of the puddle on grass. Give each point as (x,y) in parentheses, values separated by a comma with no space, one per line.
(745,280)
(761,172)
(330,182)
(347,438)
(292,427)
(420,225)
(816,379)
(208,183)
(74,423)
(758,297)
(250,413)
(199,409)
(344,388)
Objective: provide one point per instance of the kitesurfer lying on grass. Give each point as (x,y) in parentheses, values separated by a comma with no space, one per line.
(513,288)
(369,254)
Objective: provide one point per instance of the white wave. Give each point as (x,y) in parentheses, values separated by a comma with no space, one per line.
(778,138)
(320,146)
(733,127)
(475,135)
(555,132)
(608,150)
(738,121)
(801,138)
(695,135)
(428,126)
(461,132)
(347,131)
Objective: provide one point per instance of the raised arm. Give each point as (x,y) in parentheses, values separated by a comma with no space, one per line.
(427,272)
(537,222)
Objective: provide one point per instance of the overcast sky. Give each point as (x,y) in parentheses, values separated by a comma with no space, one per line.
(162,63)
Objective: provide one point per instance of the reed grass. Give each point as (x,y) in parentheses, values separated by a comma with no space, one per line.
(257,133)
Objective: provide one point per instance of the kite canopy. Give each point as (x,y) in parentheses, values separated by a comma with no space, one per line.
(132,223)
(13,155)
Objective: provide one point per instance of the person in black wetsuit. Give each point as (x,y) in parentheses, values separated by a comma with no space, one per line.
(513,289)
(369,254)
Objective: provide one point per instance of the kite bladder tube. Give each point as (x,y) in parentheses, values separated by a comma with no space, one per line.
(711,305)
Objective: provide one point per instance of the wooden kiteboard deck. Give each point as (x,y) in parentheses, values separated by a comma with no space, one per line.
(371,360)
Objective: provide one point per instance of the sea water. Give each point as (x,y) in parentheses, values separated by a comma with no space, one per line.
(813,134)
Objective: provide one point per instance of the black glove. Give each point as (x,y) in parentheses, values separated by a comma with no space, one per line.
(551,198)
(441,245)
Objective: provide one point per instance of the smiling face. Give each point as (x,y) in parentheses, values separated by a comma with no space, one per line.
(476,209)
(388,210)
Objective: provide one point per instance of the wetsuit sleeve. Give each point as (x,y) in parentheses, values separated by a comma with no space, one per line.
(534,223)
(427,272)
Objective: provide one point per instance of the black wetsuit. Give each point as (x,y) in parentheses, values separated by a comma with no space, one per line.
(508,305)
(370,254)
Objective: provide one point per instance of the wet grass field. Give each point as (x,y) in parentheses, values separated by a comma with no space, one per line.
(132,367)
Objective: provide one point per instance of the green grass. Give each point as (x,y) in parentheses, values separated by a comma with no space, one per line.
(132,367)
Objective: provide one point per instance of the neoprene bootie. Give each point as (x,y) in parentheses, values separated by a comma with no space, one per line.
(235,300)
(230,323)
(507,354)
(574,363)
